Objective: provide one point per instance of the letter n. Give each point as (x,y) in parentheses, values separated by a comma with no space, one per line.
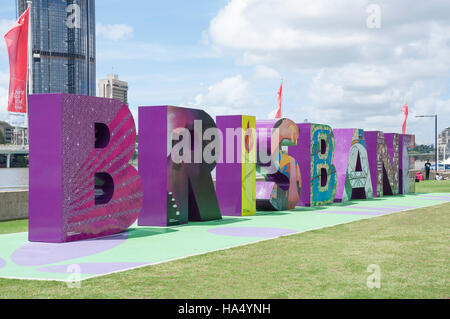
(177,181)
(383,153)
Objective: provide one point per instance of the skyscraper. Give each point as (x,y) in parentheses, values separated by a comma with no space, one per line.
(63,45)
(113,88)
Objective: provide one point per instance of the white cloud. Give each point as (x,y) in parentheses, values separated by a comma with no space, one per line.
(4,79)
(4,89)
(360,77)
(138,50)
(264,72)
(322,32)
(227,97)
(272,114)
(5,25)
(114,32)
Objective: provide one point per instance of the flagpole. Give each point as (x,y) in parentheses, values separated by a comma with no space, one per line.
(30,51)
(281,97)
(30,63)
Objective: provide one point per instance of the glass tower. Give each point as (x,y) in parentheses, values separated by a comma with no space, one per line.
(63,45)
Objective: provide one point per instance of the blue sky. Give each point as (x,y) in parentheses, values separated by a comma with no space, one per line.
(228,57)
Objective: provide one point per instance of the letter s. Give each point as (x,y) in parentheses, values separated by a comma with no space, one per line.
(282,187)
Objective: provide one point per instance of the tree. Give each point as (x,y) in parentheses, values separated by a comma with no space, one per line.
(423,149)
(2,139)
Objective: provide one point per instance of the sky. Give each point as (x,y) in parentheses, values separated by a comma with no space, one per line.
(348,64)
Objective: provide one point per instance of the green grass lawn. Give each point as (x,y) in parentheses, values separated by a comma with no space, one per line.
(14,226)
(433,187)
(410,247)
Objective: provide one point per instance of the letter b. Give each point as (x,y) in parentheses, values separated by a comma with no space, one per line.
(81,185)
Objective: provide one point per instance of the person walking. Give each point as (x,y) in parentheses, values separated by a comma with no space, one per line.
(427,170)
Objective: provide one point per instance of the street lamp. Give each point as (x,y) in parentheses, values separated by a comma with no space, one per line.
(435,137)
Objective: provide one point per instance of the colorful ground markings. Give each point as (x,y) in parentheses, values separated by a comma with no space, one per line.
(141,246)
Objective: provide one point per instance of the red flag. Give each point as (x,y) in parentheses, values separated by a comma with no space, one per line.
(17,45)
(280,93)
(405,110)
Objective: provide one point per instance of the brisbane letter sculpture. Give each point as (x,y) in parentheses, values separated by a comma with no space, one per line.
(82,185)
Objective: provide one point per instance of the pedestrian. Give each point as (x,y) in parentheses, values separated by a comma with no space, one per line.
(419,177)
(427,169)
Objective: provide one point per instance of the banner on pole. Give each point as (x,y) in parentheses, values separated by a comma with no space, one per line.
(17,44)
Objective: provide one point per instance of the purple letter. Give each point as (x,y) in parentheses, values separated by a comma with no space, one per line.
(177,182)
(81,185)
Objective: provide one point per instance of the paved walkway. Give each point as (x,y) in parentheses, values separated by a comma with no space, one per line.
(141,246)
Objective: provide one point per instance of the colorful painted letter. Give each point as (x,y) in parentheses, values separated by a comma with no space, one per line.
(405,143)
(315,153)
(177,181)
(81,185)
(383,153)
(282,187)
(236,172)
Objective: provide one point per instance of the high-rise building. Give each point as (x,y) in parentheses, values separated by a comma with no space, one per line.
(63,45)
(113,88)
